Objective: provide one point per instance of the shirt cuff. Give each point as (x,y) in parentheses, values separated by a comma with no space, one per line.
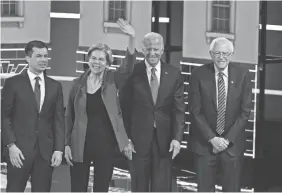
(59,151)
(10,145)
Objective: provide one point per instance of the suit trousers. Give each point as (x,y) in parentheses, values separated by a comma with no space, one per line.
(228,167)
(103,170)
(36,167)
(151,172)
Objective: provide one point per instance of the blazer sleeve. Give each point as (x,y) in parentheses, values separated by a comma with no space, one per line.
(126,104)
(125,69)
(69,114)
(246,106)
(8,100)
(59,121)
(195,108)
(178,109)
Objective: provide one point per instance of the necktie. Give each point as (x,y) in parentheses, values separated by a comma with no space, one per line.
(221,105)
(154,84)
(37,92)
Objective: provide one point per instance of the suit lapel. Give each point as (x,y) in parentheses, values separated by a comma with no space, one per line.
(212,85)
(105,79)
(164,80)
(231,90)
(83,88)
(144,79)
(29,90)
(47,92)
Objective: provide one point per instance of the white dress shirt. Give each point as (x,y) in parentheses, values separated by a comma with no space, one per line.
(41,83)
(149,71)
(225,78)
(158,74)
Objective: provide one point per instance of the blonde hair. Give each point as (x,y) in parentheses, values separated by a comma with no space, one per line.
(104,48)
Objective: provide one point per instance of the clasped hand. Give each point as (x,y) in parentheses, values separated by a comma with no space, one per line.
(219,144)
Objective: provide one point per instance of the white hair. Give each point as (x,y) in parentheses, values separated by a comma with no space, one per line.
(149,37)
(222,40)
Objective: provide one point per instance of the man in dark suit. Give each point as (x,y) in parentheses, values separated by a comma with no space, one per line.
(154,117)
(33,123)
(220,103)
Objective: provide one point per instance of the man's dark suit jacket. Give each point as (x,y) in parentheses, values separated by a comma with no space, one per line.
(203,107)
(140,111)
(23,125)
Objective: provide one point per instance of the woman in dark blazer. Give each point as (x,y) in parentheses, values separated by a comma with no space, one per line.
(94,124)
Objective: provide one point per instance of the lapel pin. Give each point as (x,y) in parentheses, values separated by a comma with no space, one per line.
(166,73)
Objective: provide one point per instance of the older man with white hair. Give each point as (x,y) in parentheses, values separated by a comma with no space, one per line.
(220,103)
(154,117)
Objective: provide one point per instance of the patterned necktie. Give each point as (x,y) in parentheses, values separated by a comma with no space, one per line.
(154,84)
(37,92)
(220,104)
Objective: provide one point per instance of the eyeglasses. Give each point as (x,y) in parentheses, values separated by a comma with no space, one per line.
(224,54)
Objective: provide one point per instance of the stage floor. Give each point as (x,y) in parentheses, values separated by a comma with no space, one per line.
(184,182)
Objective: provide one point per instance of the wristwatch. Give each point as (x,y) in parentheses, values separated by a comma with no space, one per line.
(10,145)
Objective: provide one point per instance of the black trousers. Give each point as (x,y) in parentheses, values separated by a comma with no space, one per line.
(229,168)
(34,166)
(103,170)
(151,172)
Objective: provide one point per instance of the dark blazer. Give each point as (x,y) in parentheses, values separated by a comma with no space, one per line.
(140,111)
(76,117)
(203,107)
(22,124)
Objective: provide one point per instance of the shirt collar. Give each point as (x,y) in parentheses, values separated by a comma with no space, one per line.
(32,76)
(149,67)
(225,71)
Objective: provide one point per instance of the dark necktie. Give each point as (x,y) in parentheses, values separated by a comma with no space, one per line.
(37,92)
(154,84)
(221,104)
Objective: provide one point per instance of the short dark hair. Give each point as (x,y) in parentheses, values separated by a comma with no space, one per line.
(35,43)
